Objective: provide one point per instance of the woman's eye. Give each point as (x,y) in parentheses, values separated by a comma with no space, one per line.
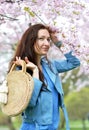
(41,38)
(49,40)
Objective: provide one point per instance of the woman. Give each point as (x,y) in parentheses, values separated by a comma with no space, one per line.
(42,112)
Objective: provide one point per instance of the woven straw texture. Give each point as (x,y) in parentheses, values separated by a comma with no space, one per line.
(20,85)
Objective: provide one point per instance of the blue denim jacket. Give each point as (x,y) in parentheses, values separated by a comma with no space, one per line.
(40,106)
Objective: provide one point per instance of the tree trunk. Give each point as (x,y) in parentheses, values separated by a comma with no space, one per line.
(84,125)
(10,124)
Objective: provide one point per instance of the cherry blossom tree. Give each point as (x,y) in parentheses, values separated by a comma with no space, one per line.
(70,17)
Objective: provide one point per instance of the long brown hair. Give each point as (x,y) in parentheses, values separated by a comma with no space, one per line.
(25,47)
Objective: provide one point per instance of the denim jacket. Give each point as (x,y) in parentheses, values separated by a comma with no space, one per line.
(39,108)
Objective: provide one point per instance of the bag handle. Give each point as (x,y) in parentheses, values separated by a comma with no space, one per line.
(15,65)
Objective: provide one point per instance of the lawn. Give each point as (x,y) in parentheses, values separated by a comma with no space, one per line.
(77,128)
(75,125)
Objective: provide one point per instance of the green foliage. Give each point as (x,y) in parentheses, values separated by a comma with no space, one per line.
(72,78)
(78,104)
(31,13)
(12,123)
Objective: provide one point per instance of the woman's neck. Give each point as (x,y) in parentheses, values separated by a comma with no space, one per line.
(39,62)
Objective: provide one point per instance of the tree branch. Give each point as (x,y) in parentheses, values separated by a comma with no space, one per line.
(8,17)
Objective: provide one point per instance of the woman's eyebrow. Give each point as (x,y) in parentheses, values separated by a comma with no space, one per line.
(44,36)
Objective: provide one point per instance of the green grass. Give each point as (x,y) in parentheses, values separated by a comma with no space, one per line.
(74,129)
(77,125)
(4,128)
(74,125)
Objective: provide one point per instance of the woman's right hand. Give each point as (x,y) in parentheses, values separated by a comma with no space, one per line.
(32,67)
(29,65)
(18,61)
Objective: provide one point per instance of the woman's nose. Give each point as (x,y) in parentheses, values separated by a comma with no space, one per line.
(46,41)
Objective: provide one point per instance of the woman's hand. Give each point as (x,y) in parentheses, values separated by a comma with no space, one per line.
(18,61)
(54,33)
(54,37)
(30,64)
(33,67)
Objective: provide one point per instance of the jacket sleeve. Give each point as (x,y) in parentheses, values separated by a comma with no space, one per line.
(67,64)
(36,91)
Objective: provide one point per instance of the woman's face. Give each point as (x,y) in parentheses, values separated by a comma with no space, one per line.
(42,43)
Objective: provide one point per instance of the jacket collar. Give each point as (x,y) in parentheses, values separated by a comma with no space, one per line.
(44,60)
(45,63)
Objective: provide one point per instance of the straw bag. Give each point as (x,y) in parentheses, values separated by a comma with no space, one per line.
(20,86)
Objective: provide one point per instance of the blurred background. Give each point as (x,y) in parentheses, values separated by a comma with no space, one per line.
(71,18)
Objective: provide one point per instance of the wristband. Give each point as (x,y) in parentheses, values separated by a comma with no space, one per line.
(58,44)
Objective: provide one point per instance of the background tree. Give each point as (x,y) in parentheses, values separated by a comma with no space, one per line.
(78,105)
(73,81)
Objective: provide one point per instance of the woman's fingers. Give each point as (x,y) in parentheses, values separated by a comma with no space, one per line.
(18,58)
(26,60)
(18,61)
(29,64)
